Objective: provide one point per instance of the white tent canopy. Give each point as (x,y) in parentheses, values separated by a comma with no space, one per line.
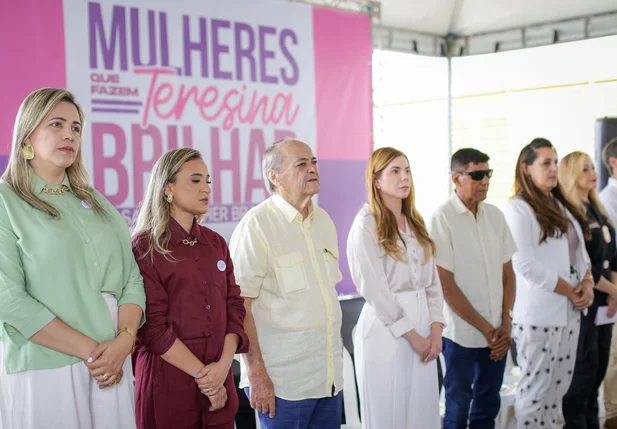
(480,26)
(464,17)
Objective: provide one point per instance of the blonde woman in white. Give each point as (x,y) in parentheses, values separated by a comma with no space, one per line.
(398,336)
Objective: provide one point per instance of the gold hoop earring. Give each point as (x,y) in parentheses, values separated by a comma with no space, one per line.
(27,151)
(169,198)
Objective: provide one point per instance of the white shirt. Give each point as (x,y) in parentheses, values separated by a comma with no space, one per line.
(289,266)
(538,267)
(474,249)
(379,278)
(608,196)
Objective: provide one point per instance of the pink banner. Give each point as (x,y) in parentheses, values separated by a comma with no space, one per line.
(227,79)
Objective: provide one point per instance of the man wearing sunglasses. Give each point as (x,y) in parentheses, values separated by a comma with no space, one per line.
(474,250)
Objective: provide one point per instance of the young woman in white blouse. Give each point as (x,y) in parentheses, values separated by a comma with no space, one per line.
(553,285)
(398,335)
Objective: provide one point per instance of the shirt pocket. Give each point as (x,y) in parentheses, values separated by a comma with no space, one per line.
(290,272)
(332,269)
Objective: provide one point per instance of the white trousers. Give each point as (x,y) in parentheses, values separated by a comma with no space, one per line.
(546,356)
(397,390)
(67,397)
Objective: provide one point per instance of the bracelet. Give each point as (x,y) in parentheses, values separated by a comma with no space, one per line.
(588,277)
(131,333)
(438,324)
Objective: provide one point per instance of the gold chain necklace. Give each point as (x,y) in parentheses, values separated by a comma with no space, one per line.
(189,242)
(57,191)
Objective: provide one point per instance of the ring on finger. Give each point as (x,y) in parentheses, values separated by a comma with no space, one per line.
(105,377)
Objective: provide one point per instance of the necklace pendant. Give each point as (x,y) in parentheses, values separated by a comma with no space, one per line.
(188,242)
(57,191)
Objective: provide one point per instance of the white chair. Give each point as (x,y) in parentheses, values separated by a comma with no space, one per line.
(350,394)
(442,396)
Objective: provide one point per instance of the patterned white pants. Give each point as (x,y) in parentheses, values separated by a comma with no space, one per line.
(546,356)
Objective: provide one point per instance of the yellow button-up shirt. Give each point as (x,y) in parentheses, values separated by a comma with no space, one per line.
(289,266)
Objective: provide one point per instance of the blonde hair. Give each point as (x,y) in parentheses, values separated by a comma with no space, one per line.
(155,212)
(19,174)
(387,227)
(570,169)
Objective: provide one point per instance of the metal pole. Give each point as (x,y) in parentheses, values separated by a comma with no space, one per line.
(449,118)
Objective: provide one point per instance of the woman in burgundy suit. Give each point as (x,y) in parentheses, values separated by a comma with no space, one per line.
(195,315)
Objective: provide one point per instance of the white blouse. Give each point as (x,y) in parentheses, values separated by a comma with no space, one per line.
(379,278)
(538,267)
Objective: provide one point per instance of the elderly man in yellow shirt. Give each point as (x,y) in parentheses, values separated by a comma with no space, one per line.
(285,254)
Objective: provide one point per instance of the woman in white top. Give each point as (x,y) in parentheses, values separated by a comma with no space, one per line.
(398,336)
(553,285)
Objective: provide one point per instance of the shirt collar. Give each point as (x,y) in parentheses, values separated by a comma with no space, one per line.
(178,233)
(289,212)
(461,208)
(38,184)
(612,182)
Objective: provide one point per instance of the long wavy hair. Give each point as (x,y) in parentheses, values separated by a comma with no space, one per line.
(387,228)
(155,212)
(19,174)
(570,169)
(552,219)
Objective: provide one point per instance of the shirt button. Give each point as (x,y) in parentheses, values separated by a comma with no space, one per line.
(197,258)
(204,282)
(208,307)
(76,223)
(95,264)
(87,241)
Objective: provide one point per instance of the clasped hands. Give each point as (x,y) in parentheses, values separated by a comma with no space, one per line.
(499,340)
(427,347)
(210,380)
(582,295)
(106,360)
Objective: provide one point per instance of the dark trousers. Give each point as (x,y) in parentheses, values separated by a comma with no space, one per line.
(472,381)
(580,405)
(167,398)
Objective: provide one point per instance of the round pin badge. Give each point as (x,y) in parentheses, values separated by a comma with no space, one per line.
(86,204)
(221,265)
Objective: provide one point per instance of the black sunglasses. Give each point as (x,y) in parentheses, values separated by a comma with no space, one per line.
(476,175)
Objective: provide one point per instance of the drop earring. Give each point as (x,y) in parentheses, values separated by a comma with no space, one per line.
(169,198)
(27,151)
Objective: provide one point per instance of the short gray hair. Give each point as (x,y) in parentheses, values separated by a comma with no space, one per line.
(273,159)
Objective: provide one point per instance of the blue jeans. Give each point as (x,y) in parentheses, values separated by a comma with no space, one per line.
(322,413)
(472,379)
